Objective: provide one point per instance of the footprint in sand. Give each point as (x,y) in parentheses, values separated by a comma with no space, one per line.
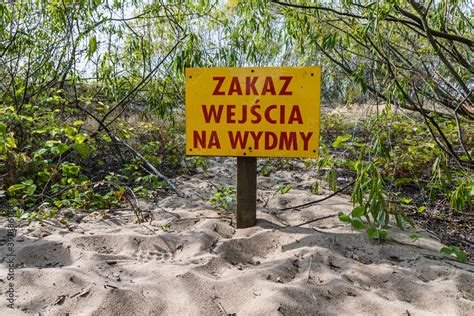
(158,254)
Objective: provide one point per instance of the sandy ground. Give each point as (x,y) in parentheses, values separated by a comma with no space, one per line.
(190,260)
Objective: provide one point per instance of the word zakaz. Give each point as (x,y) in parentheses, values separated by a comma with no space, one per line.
(250,86)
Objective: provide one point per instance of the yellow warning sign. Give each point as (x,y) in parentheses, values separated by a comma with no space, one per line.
(254,112)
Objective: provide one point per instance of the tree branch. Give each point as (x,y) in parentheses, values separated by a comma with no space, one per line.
(416,21)
(155,171)
(319,200)
(435,46)
(140,84)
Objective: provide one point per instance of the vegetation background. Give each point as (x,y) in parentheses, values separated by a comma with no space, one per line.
(92,99)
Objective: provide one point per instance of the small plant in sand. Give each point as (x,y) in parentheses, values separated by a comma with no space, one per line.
(223,198)
(194,163)
(397,170)
(283,188)
(455,251)
(165,227)
(265,171)
(315,187)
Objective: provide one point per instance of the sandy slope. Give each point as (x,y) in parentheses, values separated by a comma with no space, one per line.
(191,260)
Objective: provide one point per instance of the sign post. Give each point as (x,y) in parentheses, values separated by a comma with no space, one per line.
(246,191)
(249,113)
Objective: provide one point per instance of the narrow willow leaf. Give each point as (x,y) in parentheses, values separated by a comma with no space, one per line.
(92,46)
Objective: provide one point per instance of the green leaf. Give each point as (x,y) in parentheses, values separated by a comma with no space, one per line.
(92,46)
(78,123)
(10,141)
(16,187)
(70,130)
(340,139)
(28,182)
(106,138)
(373,232)
(383,233)
(283,189)
(39,153)
(405,201)
(30,189)
(315,188)
(344,218)
(447,250)
(358,211)
(421,209)
(82,149)
(331,178)
(3,129)
(399,221)
(79,138)
(357,224)
(25,215)
(19,91)
(70,169)
(461,255)
(59,148)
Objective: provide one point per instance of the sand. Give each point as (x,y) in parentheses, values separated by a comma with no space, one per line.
(189,259)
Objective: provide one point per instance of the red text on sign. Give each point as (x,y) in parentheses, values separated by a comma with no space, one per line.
(238,86)
(273,114)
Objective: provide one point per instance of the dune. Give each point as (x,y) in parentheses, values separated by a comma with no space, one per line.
(189,259)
